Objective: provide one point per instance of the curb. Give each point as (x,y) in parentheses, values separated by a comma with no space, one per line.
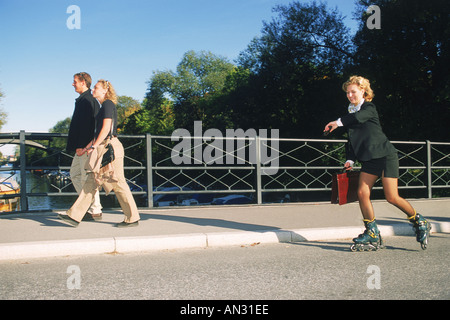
(45,249)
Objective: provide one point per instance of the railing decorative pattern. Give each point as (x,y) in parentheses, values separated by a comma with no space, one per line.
(233,166)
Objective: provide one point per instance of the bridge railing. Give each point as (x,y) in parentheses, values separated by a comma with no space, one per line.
(162,170)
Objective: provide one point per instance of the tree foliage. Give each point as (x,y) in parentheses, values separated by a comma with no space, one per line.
(296,67)
(290,76)
(177,99)
(3,114)
(408,61)
(126,106)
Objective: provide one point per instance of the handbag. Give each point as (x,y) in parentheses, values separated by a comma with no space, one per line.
(108,156)
(344,187)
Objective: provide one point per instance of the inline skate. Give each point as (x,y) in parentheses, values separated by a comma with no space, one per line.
(422,228)
(370,240)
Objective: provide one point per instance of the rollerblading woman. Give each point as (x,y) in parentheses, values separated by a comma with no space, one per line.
(370,146)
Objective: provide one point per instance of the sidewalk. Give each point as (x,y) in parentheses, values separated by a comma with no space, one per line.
(37,235)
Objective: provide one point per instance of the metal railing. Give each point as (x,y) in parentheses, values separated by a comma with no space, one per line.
(214,167)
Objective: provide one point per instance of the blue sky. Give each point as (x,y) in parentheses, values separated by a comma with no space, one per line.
(121,41)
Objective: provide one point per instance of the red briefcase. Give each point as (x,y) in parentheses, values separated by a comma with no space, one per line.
(344,187)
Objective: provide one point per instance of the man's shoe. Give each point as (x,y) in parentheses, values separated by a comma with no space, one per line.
(92,217)
(68,219)
(123,224)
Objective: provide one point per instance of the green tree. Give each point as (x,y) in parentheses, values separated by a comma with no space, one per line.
(295,71)
(61,126)
(126,106)
(191,90)
(3,114)
(156,121)
(407,61)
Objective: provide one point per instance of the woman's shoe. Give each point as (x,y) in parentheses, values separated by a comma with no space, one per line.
(124,224)
(68,219)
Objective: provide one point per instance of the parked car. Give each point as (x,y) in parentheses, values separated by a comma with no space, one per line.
(165,200)
(232,199)
(189,202)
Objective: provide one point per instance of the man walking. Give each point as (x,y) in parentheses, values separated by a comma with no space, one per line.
(81,132)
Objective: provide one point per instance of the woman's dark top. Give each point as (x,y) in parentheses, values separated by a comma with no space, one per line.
(107,111)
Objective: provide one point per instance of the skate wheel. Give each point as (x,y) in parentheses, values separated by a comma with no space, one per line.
(424,244)
(353,248)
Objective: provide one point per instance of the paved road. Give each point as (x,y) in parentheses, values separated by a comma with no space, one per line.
(307,270)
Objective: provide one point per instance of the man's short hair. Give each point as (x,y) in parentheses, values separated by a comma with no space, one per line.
(84,76)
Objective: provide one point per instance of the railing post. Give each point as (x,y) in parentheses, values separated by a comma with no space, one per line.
(148,137)
(23,173)
(429,171)
(258,170)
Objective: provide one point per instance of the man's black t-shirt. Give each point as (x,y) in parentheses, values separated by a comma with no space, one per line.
(107,111)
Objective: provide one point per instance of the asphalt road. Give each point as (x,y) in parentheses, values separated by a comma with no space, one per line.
(307,270)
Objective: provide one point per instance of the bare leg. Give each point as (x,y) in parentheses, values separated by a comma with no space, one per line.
(390,187)
(366,182)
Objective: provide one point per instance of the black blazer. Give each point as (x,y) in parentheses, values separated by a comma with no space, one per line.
(366,138)
(82,125)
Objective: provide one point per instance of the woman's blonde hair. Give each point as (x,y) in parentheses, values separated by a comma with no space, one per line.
(362,83)
(110,93)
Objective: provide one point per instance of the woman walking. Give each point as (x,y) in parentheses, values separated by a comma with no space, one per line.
(379,158)
(110,176)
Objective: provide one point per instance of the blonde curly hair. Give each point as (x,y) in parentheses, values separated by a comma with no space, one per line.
(110,93)
(363,84)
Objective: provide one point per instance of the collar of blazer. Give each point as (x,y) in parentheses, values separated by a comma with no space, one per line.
(352,108)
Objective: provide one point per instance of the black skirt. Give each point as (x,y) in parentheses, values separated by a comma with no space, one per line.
(388,165)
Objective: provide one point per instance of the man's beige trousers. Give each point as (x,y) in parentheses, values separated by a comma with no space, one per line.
(78,176)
